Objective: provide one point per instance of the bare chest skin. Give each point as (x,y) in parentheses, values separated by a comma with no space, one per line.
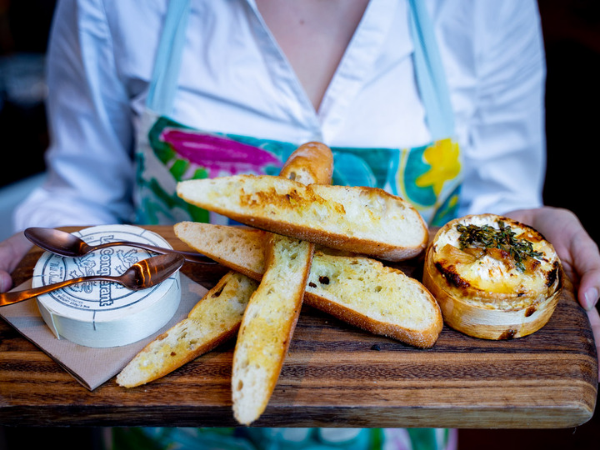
(313,35)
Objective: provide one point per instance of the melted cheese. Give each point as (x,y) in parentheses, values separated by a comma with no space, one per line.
(493,274)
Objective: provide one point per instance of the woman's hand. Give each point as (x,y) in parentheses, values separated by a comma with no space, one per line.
(577,251)
(12,251)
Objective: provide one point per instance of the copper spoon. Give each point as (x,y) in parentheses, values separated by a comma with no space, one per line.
(67,244)
(141,275)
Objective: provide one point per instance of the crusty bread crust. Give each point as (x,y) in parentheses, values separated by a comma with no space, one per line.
(362,220)
(215,319)
(310,163)
(349,280)
(272,313)
(487,314)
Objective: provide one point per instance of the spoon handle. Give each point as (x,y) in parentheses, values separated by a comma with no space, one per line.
(10,298)
(191,257)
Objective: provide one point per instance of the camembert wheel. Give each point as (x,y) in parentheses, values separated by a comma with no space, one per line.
(493,277)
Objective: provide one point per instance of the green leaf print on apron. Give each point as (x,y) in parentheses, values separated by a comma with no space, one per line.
(167,152)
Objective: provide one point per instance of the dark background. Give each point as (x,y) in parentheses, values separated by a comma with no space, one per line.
(572,40)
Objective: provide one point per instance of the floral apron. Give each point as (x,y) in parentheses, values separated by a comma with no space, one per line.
(167,152)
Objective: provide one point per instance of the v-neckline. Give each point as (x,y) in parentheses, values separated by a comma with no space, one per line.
(359,55)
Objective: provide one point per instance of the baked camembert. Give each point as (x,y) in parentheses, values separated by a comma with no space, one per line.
(494,278)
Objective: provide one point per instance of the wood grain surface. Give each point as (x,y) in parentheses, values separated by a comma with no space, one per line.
(334,376)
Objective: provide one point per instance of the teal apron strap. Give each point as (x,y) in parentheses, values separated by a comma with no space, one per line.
(429,70)
(163,84)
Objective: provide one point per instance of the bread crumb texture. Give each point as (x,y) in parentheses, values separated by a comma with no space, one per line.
(243,247)
(267,327)
(370,288)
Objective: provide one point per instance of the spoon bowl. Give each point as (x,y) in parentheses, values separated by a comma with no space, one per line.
(141,275)
(67,244)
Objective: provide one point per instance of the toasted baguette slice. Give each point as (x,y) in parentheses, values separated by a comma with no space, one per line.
(214,319)
(493,289)
(270,319)
(268,326)
(363,220)
(360,291)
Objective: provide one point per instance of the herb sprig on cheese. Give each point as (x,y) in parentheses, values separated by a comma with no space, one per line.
(486,236)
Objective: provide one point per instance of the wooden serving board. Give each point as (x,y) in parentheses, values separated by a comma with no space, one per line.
(334,376)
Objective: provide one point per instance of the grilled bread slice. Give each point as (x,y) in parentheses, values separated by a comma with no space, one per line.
(362,220)
(358,290)
(216,318)
(494,278)
(270,319)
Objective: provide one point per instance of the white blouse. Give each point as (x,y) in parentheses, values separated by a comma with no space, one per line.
(235,79)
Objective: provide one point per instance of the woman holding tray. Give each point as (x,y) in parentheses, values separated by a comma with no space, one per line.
(440,102)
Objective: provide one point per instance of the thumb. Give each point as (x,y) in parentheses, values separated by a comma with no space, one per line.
(12,251)
(587,265)
(594,318)
(5,281)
